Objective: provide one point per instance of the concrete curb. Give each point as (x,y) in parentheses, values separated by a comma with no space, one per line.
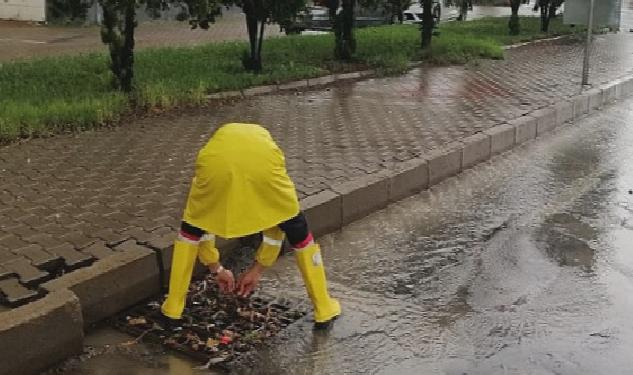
(38,335)
(112,284)
(308,83)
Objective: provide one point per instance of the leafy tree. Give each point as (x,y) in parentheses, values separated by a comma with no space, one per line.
(258,14)
(513,24)
(117,31)
(548,11)
(72,10)
(464,7)
(396,9)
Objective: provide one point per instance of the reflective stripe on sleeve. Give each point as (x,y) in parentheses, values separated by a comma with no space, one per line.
(272,241)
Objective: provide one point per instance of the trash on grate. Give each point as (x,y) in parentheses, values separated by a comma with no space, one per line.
(216,328)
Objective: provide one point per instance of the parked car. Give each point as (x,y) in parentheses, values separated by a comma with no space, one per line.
(443,10)
(318,18)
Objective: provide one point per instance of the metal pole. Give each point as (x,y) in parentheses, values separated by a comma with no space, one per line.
(585,65)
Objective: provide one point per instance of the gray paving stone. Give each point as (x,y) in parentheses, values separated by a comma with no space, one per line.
(15,294)
(27,273)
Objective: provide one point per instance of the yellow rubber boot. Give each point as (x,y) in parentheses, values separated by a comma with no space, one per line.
(183,260)
(310,264)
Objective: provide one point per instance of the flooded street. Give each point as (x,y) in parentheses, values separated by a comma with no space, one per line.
(522,265)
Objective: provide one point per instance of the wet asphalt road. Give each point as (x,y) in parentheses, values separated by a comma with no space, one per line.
(523,265)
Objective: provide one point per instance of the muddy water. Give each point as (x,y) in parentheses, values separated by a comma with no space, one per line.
(108,352)
(522,265)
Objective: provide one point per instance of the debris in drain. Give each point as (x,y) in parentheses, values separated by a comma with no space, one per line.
(216,329)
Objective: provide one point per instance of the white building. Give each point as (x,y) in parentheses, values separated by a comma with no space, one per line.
(23,10)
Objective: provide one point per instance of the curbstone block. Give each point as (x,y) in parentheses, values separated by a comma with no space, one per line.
(596,99)
(502,138)
(525,128)
(627,87)
(324,212)
(112,284)
(38,335)
(294,85)
(348,76)
(362,196)
(564,112)
(232,94)
(321,81)
(545,120)
(476,150)
(581,105)
(445,163)
(623,87)
(411,177)
(617,86)
(259,90)
(609,93)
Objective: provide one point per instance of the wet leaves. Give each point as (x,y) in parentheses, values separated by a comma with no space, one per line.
(216,328)
(212,343)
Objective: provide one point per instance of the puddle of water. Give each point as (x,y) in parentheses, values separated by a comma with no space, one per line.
(109,352)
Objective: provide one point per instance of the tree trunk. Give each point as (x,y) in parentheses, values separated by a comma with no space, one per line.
(251,61)
(127,54)
(111,37)
(463,10)
(260,44)
(427,23)
(343,25)
(119,36)
(515,27)
(545,8)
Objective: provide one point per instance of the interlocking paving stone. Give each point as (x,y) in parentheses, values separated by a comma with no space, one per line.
(111,187)
(15,293)
(38,256)
(27,273)
(98,250)
(72,257)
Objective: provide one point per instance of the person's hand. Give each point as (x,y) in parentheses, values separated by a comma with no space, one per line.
(225,280)
(247,282)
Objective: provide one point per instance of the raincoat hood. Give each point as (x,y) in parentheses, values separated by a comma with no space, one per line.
(241,185)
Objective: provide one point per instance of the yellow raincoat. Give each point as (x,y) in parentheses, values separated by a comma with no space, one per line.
(241,185)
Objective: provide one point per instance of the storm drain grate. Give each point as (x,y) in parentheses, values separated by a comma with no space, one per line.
(217,330)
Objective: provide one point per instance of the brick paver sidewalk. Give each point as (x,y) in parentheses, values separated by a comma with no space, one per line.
(69,200)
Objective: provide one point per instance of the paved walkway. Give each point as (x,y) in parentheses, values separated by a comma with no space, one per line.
(67,201)
(20,40)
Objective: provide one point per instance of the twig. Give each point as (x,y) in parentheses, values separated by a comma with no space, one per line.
(138,339)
